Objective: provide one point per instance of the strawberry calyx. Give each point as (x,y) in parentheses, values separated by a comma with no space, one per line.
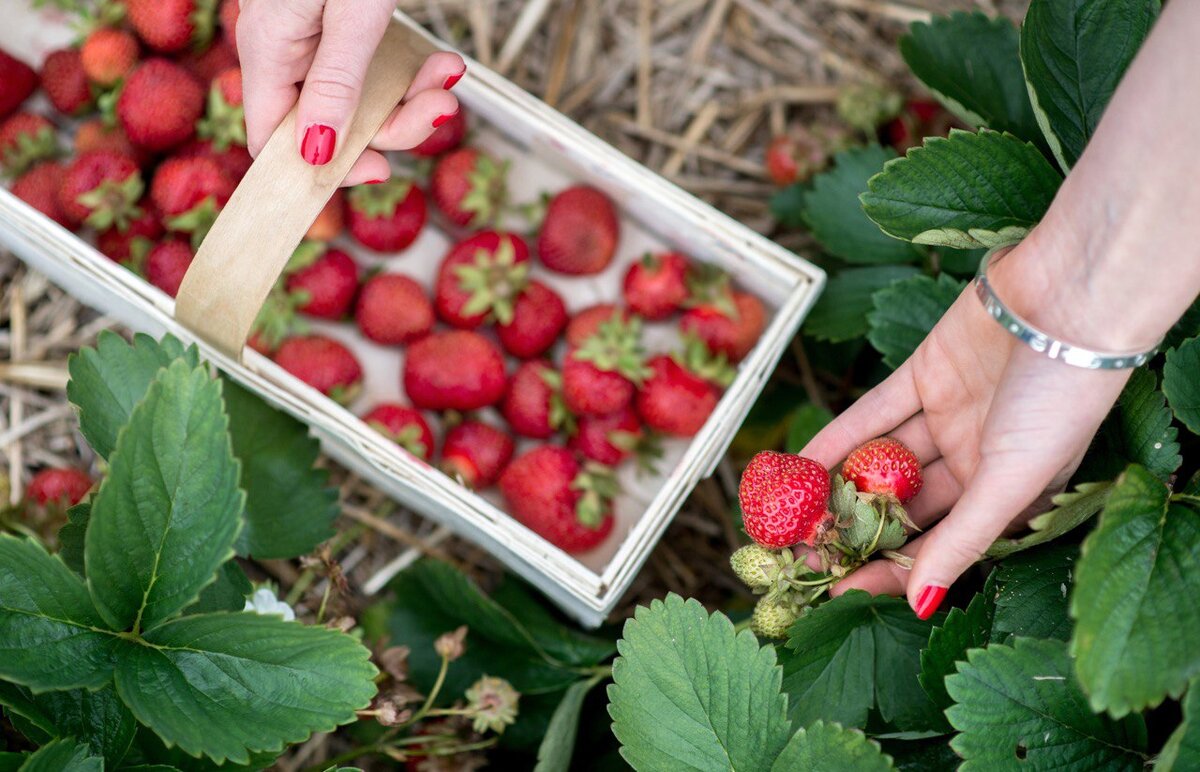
(598,486)
(616,346)
(409,437)
(645,447)
(304,255)
(114,203)
(28,149)
(279,319)
(224,124)
(204,22)
(561,418)
(489,190)
(699,359)
(710,287)
(380,200)
(105,13)
(196,221)
(494,280)
(865,522)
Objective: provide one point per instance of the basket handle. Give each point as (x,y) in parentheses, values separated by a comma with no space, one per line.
(279,198)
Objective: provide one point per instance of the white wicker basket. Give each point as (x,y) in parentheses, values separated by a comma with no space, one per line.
(549,150)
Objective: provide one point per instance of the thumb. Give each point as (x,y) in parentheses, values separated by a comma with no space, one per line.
(350,33)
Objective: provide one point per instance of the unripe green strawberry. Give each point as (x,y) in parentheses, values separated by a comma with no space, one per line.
(772,618)
(755,565)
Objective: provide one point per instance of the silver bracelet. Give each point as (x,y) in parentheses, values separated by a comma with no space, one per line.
(1039,341)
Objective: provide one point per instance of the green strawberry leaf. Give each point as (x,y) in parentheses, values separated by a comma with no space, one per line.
(1070,511)
(1138,431)
(227,593)
(804,425)
(109,380)
(833,213)
(71,536)
(1075,53)
(290,507)
(689,692)
(12,762)
(905,311)
(854,654)
(170,509)
(51,637)
(558,745)
(1182,748)
(1181,383)
(1134,604)
(1031,594)
(150,754)
(1188,326)
(829,747)
(98,719)
(964,191)
(840,313)
(1020,707)
(972,64)
(226,685)
(961,631)
(64,755)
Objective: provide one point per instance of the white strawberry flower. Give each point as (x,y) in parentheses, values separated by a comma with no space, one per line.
(264,601)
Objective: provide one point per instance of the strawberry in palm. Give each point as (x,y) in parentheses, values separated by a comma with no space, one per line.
(886,468)
(404,426)
(551,494)
(480,279)
(785,500)
(386,217)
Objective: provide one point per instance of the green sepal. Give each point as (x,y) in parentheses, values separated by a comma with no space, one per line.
(305,255)
(224,124)
(617,347)
(710,286)
(699,359)
(114,203)
(408,438)
(196,220)
(489,191)
(599,486)
(379,200)
(203,20)
(495,281)
(278,320)
(561,417)
(28,150)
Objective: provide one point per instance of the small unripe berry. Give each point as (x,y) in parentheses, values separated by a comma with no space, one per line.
(755,565)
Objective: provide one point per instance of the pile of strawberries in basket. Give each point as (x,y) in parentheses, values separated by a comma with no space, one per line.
(151,98)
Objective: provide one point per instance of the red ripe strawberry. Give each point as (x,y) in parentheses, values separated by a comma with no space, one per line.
(189,192)
(65,82)
(17,82)
(921,118)
(326,285)
(674,400)
(480,277)
(799,154)
(455,370)
(475,454)
(166,264)
(579,233)
(386,217)
(569,506)
(609,439)
(224,123)
(732,332)
(159,105)
(94,134)
(404,426)
(884,467)
(538,317)
(331,221)
(469,187)
(102,189)
(133,243)
(323,363)
(228,14)
(62,487)
(208,64)
(445,137)
(26,139)
(39,186)
(656,286)
(108,55)
(785,500)
(601,375)
(172,25)
(234,160)
(533,404)
(584,324)
(393,310)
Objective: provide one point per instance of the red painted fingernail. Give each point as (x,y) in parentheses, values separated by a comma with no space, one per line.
(318,143)
(929,600)
(438,121)
(375,182)
(453,80)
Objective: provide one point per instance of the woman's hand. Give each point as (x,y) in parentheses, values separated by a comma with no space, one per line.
(317,52)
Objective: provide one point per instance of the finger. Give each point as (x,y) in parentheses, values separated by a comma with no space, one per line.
(439,72)
(915,435)
(879,577)
(939,492)
(350,33)
(877,412)
(411,123)
(274,38)
(371,167)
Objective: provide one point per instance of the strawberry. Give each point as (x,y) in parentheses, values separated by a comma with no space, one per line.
(608,439)
(585,324)
(172,25)
(601,375)
(62,487)
(538,317)
(393,310)
(404,426)
(17,81)
(133,243)
(656,286)
(386,217)
(159,105)
(569,506)
(921,118)
(326,284)
(234,160)
(455,370)
(533,404)
(469,187)
(206,65)
(444,138)
(331,221)
(475,454)
(729,331)
(674,400)
(189,192)
(323,363)
(39,186)
(95,134)
(799,154)
(228,14)
(480,277)
(25,139)
(166,264)
(224,122)
(785,500)
(102,189)
(108,55)
(579,233)
(884,467)
(65,82)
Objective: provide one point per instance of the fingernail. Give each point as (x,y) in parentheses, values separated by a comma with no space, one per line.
(438,121)
(318,143)
(929,600)
(375,182)
(453,80)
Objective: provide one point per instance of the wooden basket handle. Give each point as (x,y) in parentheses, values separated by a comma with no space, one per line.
(279,198)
